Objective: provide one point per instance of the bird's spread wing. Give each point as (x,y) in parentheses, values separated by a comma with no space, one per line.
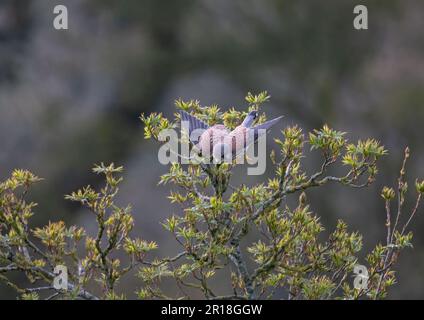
(193,124)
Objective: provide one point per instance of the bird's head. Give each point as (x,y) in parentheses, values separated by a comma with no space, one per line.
(254,114)
(251,117)
(222,153)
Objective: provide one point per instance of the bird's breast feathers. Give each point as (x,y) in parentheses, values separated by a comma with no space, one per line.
(212,136)
(238,139)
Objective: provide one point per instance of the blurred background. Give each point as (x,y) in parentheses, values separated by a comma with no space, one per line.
(69,99)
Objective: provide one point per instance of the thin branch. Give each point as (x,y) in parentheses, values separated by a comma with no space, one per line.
(417,204)
(237,259)
(8,269)
(388,222)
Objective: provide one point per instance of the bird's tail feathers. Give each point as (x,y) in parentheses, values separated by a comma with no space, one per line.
(267,125)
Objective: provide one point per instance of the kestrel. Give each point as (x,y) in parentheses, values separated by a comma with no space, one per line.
(219,141)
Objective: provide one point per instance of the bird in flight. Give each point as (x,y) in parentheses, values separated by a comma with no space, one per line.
(220,142)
